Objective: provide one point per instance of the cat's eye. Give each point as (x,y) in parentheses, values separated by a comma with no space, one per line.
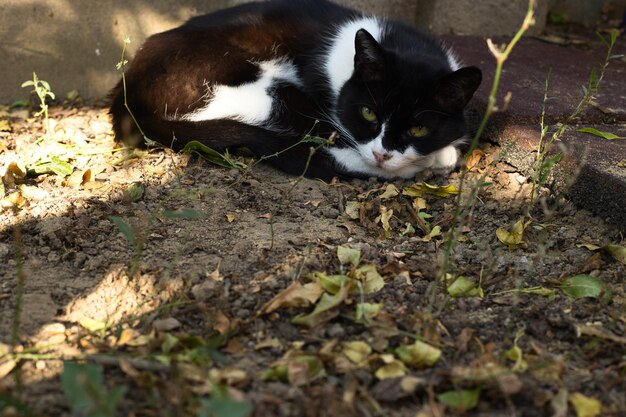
(418,131)
(368,114)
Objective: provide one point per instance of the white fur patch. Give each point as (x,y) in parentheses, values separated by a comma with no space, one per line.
(361,159)
(249,103)
(340,60)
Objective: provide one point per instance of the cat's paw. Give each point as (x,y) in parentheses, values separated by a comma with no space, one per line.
(444,160)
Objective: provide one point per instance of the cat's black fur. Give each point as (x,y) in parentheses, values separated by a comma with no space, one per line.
(204,81)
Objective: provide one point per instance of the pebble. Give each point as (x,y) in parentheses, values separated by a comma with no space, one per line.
(4,250)
(336,330)
(205,290)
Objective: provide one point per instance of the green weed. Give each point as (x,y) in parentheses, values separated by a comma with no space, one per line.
(43,91)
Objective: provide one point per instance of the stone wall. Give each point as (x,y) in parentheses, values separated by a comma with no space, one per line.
(75,44)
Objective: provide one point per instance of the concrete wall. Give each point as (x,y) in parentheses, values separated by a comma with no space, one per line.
(75,44)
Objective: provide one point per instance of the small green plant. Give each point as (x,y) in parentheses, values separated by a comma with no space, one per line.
(86,393)
(120,67)
(465,202)
(222,405)
(43,91)
(546,159)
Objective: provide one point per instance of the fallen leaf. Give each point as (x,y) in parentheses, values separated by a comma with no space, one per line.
(421,188)
(393,368)
(390,192)
(559,403)
(582,286)
(126,336)
(617,252)
(514,236)
(585,406)
(5,126)
(6,366)
(324,310)
(357,351)
(371,280)
(296,295)
(384,218)
(601,134)
(348,255)
(464,287)
(460,400)
(352,209)
(230,217)
(600,332)
(92,325)
(419,354)
(474,159)
(367,311)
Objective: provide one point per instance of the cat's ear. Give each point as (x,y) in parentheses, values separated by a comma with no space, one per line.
(455,90)
(369,59)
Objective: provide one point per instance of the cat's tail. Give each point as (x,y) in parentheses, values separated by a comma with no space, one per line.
(140,127)
(284,150)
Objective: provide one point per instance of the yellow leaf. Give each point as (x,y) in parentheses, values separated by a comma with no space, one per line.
(421,188)
(92,325)
(617,252)
(370,278)
(419,204)
(367,311)
(513,237)
(5,126)
(348,255)
(392,369)
(418,354)
(585,406)
(127,336)
(390,191)
(6,367)
(230,217)
(324,310)
(357,351)
(352,209)
(296,295)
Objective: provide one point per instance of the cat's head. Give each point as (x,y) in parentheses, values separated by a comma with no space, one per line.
(397,111)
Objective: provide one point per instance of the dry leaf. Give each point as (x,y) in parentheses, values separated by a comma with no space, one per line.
(296,295)
(421,188)
(358,352)
(474,159)
(514,236)
(585,406)
(390,192)
(230,217)
(418,354)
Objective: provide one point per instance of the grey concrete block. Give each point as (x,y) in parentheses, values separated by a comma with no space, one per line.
(76,44)
(486,17)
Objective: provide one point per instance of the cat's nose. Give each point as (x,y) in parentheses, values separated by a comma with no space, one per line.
(381,157)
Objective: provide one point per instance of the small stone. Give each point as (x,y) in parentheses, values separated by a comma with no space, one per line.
(166,325)
(4,250)
(243,313)
(336,331)
(205,290)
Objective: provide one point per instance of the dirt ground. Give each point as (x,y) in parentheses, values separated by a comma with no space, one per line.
(173,302)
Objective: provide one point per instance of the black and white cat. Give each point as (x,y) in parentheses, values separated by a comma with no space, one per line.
(260,75)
